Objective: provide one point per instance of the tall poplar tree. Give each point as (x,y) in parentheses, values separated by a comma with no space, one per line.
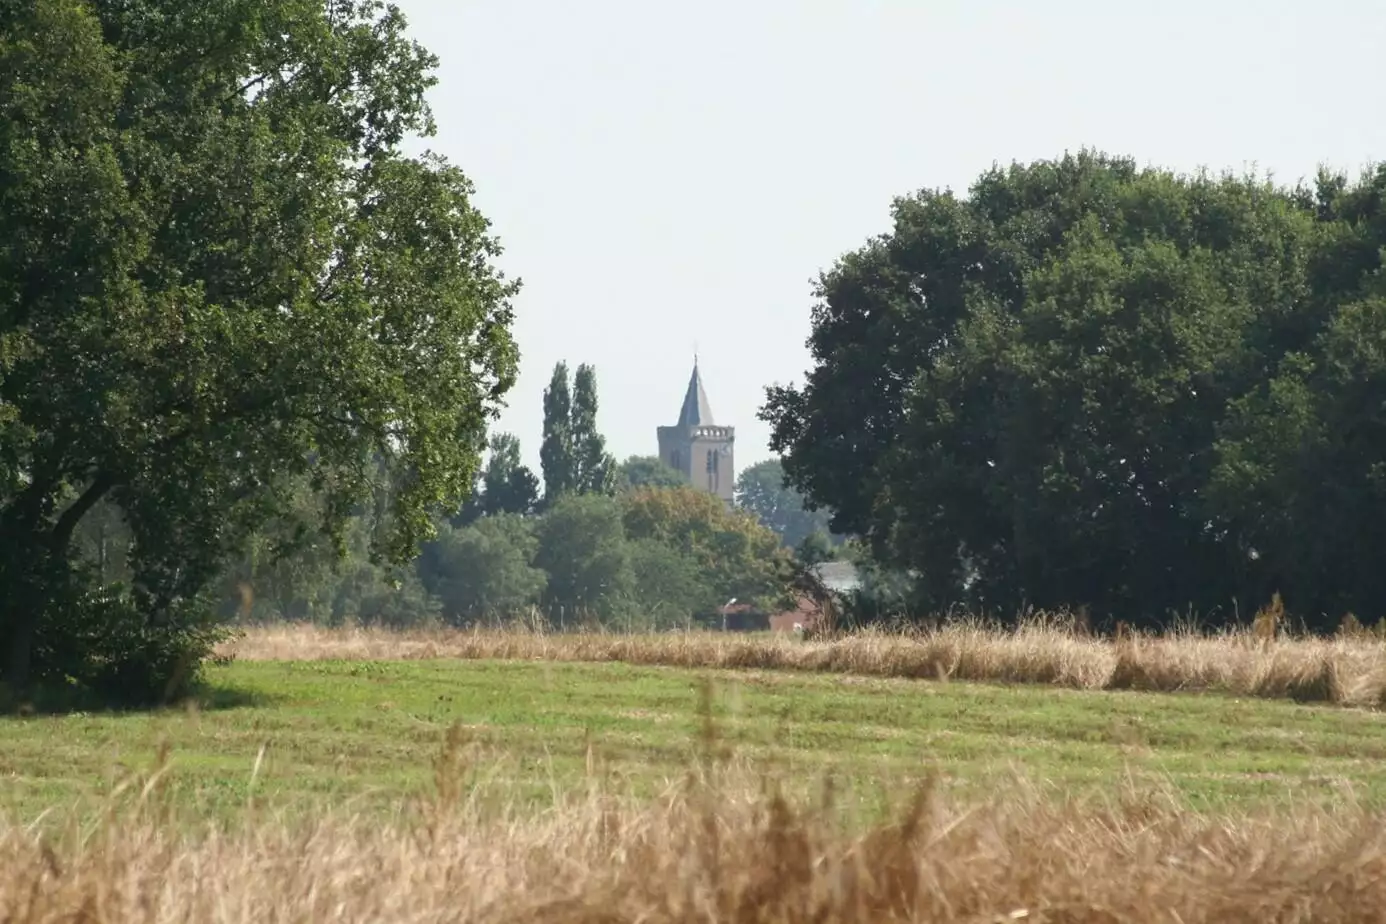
(556,459)
(595,467)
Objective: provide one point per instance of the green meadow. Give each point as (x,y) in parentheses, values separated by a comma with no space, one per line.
(364,737)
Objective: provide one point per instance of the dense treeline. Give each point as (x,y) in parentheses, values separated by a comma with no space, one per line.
(630,546)
(643,557)
(251,355)
(652,558)
(1090,385)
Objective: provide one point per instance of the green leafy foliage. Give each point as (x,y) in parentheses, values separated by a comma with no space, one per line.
(221,277)
(648,472)
(814,549)
(738,556)
(507,485)
(106,650)
(1087,384)
(582,549)
(670,587)
(573,455)
(484,570)
(557,455)
(648,558)
(762,490)
(596,468)
(391,596)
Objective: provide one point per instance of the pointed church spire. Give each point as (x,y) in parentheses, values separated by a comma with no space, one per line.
(696,412)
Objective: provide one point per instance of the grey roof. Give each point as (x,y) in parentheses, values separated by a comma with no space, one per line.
(838,575)
(696,412)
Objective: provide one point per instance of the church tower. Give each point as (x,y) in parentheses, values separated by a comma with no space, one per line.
(698,447)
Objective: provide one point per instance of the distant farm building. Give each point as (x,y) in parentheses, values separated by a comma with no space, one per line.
(838,577)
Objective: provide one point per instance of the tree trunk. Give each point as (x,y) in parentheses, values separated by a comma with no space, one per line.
(34,561)
(23,628)
(21,580)
(19,541)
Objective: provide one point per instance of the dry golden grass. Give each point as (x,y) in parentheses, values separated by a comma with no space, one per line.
(720,848)
(722,844)
(1349,669)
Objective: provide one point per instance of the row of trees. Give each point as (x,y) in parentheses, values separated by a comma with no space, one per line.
(574,460)
(647,558)
(244,335)
(1087,384)
(644,558)
(633,545)
(573,455)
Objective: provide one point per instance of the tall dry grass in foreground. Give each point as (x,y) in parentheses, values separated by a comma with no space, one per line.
(1348,670)
(716,849)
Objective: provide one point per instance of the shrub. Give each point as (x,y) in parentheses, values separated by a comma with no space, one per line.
(101,645)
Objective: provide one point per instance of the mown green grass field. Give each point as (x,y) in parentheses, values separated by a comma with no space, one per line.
(362,737)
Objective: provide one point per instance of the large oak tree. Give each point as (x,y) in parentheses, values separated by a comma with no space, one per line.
(220,274)
(1088,384)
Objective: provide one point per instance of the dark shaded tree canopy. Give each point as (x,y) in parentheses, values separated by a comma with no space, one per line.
(485,569)
(558,454)
(508,486)
(595,467)
(1088,384)
(573,454)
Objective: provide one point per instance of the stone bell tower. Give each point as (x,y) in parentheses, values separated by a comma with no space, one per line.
(698,447)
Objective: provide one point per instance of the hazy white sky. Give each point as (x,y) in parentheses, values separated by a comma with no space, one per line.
(663,175)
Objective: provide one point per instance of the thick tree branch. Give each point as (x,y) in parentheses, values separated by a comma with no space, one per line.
(67,523)
(247,87)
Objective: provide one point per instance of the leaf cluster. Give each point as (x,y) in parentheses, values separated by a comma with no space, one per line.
(1090,384)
